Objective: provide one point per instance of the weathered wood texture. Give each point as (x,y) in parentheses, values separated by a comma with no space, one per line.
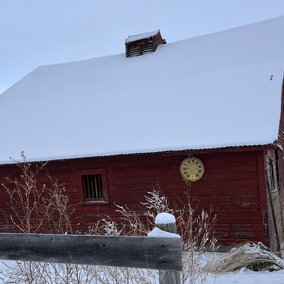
(138,252)
(166,276)
(274,201)
(232,186)
(279,156)
(142,46)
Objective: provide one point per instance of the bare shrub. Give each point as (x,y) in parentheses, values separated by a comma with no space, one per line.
(196,231)
(250,255)
(38,208)
(133,224)
(35,207)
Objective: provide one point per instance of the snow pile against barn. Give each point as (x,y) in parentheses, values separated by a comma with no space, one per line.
(217,90)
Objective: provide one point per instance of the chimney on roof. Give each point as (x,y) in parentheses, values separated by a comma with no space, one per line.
(143,43)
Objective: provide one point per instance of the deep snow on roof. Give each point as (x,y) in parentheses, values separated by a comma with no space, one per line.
(218,90)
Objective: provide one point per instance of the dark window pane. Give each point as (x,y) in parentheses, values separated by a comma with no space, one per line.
(92,186)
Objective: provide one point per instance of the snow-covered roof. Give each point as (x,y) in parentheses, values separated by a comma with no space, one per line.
(132,38)
(217,90)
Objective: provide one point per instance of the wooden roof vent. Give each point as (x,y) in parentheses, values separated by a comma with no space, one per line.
(143,43)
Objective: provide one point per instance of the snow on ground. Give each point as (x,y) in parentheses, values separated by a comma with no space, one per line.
(243,276)
(248,277)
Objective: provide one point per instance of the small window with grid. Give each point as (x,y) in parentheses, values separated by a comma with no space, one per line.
(94,185)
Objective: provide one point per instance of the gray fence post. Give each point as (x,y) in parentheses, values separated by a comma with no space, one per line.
(168,276)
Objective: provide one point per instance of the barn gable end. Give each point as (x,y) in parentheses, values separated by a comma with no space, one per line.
(114,128)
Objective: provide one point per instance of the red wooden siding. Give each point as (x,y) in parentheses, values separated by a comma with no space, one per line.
(233,185)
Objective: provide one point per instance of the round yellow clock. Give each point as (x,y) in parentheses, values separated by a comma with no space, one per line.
(192,169)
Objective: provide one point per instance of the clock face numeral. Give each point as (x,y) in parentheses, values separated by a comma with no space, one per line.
(191,169)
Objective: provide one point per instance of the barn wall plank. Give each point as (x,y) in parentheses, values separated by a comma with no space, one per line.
(230,186)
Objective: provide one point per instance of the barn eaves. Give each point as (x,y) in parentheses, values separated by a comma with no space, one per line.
(136,45)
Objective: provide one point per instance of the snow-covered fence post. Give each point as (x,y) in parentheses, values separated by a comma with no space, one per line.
(166,228)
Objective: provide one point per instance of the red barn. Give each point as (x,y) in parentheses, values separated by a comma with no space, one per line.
(202,115)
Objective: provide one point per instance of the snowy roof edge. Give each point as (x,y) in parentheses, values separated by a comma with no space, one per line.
(148,152)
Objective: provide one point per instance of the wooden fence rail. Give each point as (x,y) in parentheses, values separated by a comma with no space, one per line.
(137,252)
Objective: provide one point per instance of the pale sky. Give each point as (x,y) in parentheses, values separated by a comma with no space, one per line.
(40,32)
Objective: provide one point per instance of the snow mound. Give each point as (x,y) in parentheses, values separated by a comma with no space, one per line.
(165,218)
(158,233)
